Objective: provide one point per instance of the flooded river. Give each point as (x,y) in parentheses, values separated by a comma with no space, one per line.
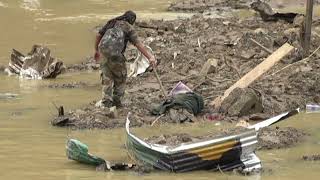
(30,148)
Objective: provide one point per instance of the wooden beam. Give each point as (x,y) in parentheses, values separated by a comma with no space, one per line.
(308,24)
(255,73)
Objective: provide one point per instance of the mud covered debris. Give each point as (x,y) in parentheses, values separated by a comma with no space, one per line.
(71,85)
(205,5)
(209,5)
(2,68)
(37,64)
(277,138)
(88,65)
(268,138)
(183,46)
(315,157)
(267,13)
(242,102)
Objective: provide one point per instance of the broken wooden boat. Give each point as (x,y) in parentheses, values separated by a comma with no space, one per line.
(218,154)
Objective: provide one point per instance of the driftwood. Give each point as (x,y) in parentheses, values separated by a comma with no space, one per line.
(255,73)
(38,64)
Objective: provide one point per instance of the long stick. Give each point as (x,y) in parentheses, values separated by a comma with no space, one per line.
(160,83)
(261,46)
(308,23)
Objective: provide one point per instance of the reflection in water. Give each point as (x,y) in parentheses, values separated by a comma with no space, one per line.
(8,95)
(3,4)
(30,5)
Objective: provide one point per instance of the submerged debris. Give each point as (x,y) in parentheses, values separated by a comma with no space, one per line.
(69,85)
(88,65)
(315,157)
(267,13)
(38,64)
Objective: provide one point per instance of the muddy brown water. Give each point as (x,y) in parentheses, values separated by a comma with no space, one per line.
(30,148)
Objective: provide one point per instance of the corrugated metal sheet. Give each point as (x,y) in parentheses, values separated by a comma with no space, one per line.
(224,153)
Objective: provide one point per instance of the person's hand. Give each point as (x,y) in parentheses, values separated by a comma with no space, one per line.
(96,56)
(153,61)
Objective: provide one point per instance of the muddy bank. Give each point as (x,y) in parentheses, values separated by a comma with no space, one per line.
(91,117)
(183,46)
(210,5)
(277,138)
(71,85)
(268,138)
(89,64)
(315,157)
(207,5)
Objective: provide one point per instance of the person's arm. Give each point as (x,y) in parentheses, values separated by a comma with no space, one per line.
(146,53)
(97,54)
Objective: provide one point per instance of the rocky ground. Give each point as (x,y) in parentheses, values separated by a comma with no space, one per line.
(183,46)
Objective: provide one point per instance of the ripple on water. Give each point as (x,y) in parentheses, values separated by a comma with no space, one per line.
(3,4)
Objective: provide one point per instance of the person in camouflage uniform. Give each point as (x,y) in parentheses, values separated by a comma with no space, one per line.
(111,42)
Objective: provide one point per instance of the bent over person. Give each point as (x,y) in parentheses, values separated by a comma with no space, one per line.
(111,43)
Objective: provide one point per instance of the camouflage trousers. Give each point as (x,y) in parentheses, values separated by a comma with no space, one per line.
(114,76)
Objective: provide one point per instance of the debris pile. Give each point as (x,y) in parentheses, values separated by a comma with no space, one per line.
(232,47)
(38,64)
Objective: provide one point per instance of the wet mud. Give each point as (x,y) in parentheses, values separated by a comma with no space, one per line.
(315,157)
(89,64)
(209,5)
(183,46)
(268,138)
(70,85)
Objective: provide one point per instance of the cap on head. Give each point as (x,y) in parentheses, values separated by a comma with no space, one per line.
(130,16)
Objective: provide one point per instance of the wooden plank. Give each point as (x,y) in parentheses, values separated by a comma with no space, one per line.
(255,73)
(308,24)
